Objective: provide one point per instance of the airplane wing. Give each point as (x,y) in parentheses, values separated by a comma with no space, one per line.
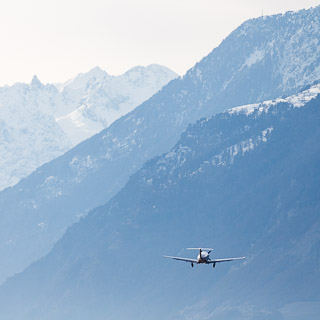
(225,260)
(182,259)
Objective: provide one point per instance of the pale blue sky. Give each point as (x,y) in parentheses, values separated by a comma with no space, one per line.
(58,39)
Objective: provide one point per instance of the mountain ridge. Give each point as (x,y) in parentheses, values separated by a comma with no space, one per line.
(41,122)
(57,194)
(200,191)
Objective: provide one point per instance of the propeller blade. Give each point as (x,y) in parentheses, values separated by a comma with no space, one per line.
(205,249)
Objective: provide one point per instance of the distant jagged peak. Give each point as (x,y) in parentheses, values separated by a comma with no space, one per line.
(82,79)
(36,83)
(149,75)
(153,68)
(97,72)
(158,68)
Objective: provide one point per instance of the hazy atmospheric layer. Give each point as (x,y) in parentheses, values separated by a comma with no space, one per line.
(245,181)
(251,65)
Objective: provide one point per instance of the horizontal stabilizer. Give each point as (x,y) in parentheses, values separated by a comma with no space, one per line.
(205,249)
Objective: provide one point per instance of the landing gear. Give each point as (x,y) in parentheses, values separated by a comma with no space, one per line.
(213,265)
(192,264)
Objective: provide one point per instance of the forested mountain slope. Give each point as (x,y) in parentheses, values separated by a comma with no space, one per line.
(263,59)
(245,182)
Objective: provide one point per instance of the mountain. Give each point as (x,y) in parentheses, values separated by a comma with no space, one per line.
(41,122)
(36,212)
(29,133)
(105,98)
(246,181)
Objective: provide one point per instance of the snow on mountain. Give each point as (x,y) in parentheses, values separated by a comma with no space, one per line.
(282,47)
(296,100)
(107,98)
(29,133)
(82,79)
(41,122)
(180,154)
(247,183)
(65,189)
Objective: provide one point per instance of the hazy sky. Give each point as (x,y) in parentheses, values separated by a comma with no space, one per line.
(58,39)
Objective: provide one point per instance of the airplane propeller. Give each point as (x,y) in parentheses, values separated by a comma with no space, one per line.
(202,249)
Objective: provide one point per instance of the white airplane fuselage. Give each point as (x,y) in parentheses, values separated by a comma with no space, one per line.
(203,257)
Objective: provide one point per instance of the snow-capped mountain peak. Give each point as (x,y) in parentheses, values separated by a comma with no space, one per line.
(40,122)
(82,79)
(107,98)
(36,83)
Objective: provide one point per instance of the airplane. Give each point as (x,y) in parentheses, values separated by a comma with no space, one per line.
(203,257)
